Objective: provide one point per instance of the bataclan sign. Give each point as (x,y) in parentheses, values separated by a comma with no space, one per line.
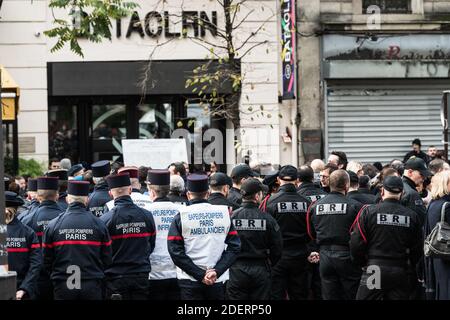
(155,24)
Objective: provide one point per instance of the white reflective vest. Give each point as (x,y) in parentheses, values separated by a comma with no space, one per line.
(204,231)
(139,199)
(162,265)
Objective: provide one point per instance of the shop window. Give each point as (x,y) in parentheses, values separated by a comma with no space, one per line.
(389,6)
(62,132)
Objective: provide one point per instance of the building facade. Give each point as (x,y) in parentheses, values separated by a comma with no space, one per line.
(366,84)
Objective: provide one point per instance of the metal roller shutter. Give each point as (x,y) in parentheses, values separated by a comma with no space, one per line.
(377,122)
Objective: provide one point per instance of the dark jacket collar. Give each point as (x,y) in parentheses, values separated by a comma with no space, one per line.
(249,204)
(305,185)
(123,200)
(409,182)
(288,188)
(76,205)
(195,201)
(216,195)
(364,191)
(48,203)
(162,199)
(391,201)
(101,186)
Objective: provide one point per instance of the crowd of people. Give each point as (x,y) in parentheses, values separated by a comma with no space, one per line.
(339,230)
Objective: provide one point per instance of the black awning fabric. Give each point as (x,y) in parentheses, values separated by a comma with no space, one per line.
(121,78)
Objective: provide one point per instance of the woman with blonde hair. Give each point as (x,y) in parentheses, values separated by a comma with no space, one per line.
(24,250)
(437,271)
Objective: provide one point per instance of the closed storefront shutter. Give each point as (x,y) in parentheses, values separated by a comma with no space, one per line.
(377,121)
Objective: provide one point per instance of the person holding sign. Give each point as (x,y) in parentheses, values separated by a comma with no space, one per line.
(203,244)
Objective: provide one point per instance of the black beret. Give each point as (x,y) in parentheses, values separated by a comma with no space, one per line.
(74,169)
(78,188)
(393,184)
(12,199)
(252,186)
(61,174)
(118,181)
(47,183)
(132,171)
(101,168)
(197,183)
(32,185)
(288,173)
(220,179)
(353,177)
(158,177)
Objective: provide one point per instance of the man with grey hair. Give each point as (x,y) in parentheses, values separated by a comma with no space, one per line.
(176,193)
(317,165)
(65,164)
(438,165)
(100,197)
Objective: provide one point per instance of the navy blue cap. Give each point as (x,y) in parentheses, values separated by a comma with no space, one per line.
(78,188)
(271,178)
(288,173)
(220,179)
(101,168)
(74,169)
(158,177)
(243,171)
(118,180)
(252,186)
(32,185)
(47,183)
(61,174)
(12,199)
(197,183)
(393,184)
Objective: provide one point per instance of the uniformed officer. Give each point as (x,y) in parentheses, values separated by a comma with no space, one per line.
(384,239)
(24,250)
(100,196)
(138,198)
(289,210)
(26,215)
(271,181)
(329,222)
(77,243)
(76,172)
(415,173)
(239,174)
(132,231)
(307,188)
(203,244)
(220,184)
(354,193)
(47,189)
(163,281)
(62,176)
(261,246)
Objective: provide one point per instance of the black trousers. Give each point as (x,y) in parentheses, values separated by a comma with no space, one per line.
(166,289)
(89,290)
(290,278)
(339,276)
(44,287)
(393,284)
(249,281)
(128,287)
(194,290)
(314,282)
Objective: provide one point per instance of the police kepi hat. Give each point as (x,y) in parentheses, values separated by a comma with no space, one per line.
(243,171)
(288,173)
(78,188)
(118,180)
(415,163)
(47,183)
(12,199)
(132,171)
(252,186)
(220,179)
(101,168)
(61,174)
(393,184)
(197,183)
(74,169)
(158,177)
(32,185)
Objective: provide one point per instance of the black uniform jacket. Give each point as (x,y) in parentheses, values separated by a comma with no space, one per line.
(98,199)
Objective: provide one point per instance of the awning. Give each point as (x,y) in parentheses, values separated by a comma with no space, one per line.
(10,93)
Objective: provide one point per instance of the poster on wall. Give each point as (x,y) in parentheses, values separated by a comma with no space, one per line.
(288,47)
(154,153)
